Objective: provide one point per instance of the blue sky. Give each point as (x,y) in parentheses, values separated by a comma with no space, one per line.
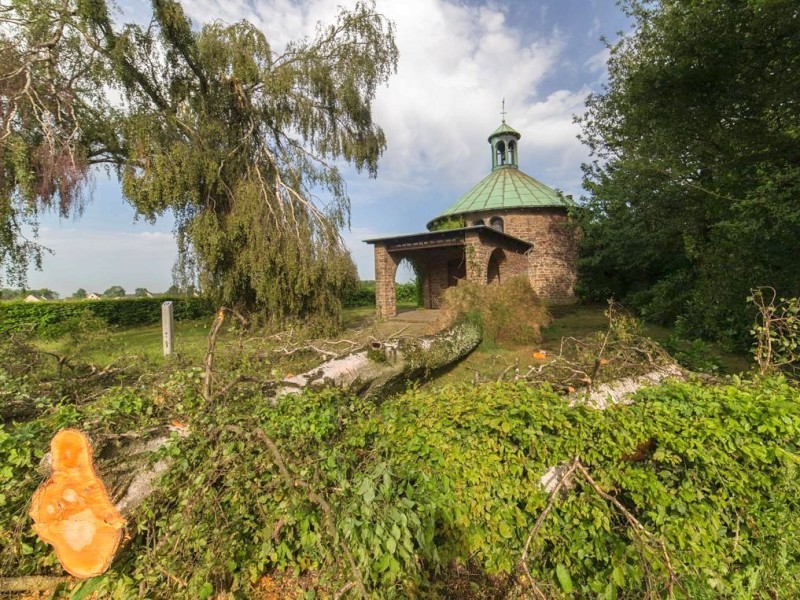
(458,60)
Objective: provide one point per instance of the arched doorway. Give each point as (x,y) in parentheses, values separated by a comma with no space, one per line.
(408,283)
(496,266)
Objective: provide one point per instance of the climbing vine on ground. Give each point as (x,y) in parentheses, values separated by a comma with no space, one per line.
(432,479)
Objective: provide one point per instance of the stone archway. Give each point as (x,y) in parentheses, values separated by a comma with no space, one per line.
(495,269)
(408,263)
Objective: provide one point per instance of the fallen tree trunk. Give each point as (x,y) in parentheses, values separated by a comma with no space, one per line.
(621,391)
(374,371)
(125,463)
(604,396)
(72,510)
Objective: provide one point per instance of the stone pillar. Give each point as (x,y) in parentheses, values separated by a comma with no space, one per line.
(476,257)
(385,273)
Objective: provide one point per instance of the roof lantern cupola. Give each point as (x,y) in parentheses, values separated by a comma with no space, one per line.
(504,141)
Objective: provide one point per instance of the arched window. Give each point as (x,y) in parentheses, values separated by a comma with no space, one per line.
(497,224)
(478,222)
(501,153)
(512,148)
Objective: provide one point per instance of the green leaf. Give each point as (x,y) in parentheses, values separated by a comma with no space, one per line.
(563,578)
(88,586)
(205,592)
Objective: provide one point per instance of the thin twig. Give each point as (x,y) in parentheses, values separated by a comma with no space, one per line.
(319,501)
(212,343)
(637,526)
(209,359)
(240,379)
(346,588)
(536,526)
(506,370)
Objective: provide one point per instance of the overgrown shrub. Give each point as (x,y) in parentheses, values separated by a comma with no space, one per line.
(695,355)
(510,312)
(407,293)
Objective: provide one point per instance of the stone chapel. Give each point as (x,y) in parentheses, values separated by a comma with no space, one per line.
(508,224)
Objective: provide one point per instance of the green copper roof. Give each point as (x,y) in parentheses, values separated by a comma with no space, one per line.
(506,187)
(504,128)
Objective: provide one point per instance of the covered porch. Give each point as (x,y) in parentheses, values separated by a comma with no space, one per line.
(442,258)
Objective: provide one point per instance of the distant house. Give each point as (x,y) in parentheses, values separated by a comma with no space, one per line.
(32,298)
(93,296)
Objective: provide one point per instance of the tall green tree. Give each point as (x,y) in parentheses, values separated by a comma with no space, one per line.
(115,291)
(242,143)
(695,184)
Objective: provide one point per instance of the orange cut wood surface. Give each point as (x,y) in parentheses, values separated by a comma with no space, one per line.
(72,510)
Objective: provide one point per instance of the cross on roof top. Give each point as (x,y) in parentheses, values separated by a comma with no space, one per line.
(503,112)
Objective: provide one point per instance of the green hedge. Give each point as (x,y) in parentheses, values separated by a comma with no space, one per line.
(364,294)
(125,312)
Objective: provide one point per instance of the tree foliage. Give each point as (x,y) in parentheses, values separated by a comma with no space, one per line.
(696,178)
(115,291)
(239,141)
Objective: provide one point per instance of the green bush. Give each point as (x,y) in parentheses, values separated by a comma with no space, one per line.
(364,294)
(48,318)
(696,355)
(407,293)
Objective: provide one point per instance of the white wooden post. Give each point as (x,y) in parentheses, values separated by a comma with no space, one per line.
(167,326)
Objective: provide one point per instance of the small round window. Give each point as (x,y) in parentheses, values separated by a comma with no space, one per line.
(496,223)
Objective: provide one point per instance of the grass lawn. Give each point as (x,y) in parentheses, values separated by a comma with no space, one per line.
(143,344)
(578,321)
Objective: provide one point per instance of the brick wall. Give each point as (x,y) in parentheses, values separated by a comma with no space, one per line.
(385,272)
(552,264)
(436,273)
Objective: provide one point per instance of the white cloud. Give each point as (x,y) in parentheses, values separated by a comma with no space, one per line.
(597,62)
(456,64)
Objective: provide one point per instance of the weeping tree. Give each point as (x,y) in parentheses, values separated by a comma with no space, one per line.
(240,141)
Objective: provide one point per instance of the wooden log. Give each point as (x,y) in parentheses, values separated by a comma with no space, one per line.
(374,371)
(31,583)
(72,510)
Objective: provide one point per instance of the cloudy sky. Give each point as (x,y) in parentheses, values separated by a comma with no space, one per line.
(458,60)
